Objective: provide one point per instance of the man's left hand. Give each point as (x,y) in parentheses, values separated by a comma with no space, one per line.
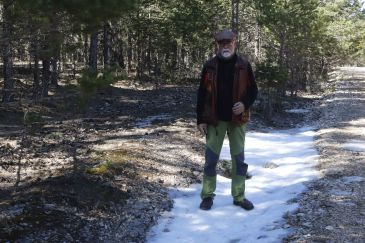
(238,108)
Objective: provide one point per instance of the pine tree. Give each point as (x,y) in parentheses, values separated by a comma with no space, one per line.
(7,26)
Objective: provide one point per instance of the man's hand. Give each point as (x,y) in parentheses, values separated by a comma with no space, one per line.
(238,108)
(203,128)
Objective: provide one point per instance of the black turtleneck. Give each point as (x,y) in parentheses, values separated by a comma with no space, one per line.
(225,87)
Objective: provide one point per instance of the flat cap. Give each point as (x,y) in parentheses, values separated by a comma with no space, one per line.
(225,35)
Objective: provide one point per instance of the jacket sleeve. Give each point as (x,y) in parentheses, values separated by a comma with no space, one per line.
(252,90)
(201,97)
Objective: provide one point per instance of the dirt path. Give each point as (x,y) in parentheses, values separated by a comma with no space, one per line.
(333,210)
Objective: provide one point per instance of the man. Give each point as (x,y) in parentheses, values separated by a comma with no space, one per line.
(226,92)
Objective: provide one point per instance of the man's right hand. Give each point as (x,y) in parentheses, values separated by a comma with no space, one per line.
(203,128)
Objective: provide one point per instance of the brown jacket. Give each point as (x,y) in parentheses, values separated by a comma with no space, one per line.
(207,99)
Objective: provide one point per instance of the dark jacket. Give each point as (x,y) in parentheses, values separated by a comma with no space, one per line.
(244,89)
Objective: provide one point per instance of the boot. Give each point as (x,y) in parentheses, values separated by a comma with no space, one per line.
(207,203)
(245,204)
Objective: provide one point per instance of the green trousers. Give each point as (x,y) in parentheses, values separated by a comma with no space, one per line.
(214,142)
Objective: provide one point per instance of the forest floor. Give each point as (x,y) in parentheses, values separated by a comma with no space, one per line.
(102,173)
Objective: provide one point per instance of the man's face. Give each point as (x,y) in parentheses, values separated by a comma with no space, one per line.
(226,48)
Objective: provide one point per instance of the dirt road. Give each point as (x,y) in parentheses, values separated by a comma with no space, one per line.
(332,210)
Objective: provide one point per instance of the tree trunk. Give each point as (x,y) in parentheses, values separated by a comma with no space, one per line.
(257,43)
(174,58)
(106,43)
(234,19)
(36,86)
(215,28)
(54,39)
(120,56)
(139,58)
(54,71)
(7,53)
(281,48)
(63,61)
(129,52)
(268,109)
(282,88)
(86,49)
(74,65)
(45,76)
(148,59)
(93,52)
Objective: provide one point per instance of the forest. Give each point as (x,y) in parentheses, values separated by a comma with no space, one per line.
(292,44)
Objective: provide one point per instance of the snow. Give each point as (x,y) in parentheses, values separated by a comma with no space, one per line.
(354,69)
(149,120)
(358,122)
(297,111)
(337,192)
(8,142)
(269,189)
(355,145)
(351,179)
(342,99)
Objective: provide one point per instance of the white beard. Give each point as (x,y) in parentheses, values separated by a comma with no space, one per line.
(226,53)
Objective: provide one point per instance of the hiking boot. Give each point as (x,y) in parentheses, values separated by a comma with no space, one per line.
(245,204)
(207,203)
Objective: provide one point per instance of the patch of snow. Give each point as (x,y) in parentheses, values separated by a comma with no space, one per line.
(269,189)
(357,122)
(298,111)
(149,120)
(337,192)
(351,179)
(348,92)
(361,69)
(345,99)
(347,204)
(355,145)
(8,142)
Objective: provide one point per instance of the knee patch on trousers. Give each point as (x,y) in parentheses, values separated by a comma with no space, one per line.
(211,160)
(240,164)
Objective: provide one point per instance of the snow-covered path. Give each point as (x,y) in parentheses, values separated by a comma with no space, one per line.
(280,162)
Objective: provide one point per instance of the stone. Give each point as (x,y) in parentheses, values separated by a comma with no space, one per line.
(307,224)
(329,227)
(196,173)
(270,165)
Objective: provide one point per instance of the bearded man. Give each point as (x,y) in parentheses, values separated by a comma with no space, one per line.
(226,92)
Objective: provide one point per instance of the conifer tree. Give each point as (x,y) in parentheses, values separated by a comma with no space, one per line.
(6,44)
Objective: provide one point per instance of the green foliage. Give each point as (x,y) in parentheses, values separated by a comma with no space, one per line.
(270,75)
(31,117)
(270,78)
(345,24)
(93,13)
(168,41)
(297,41)
(101,169)
(90,82)
(90,13)
(179,34)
